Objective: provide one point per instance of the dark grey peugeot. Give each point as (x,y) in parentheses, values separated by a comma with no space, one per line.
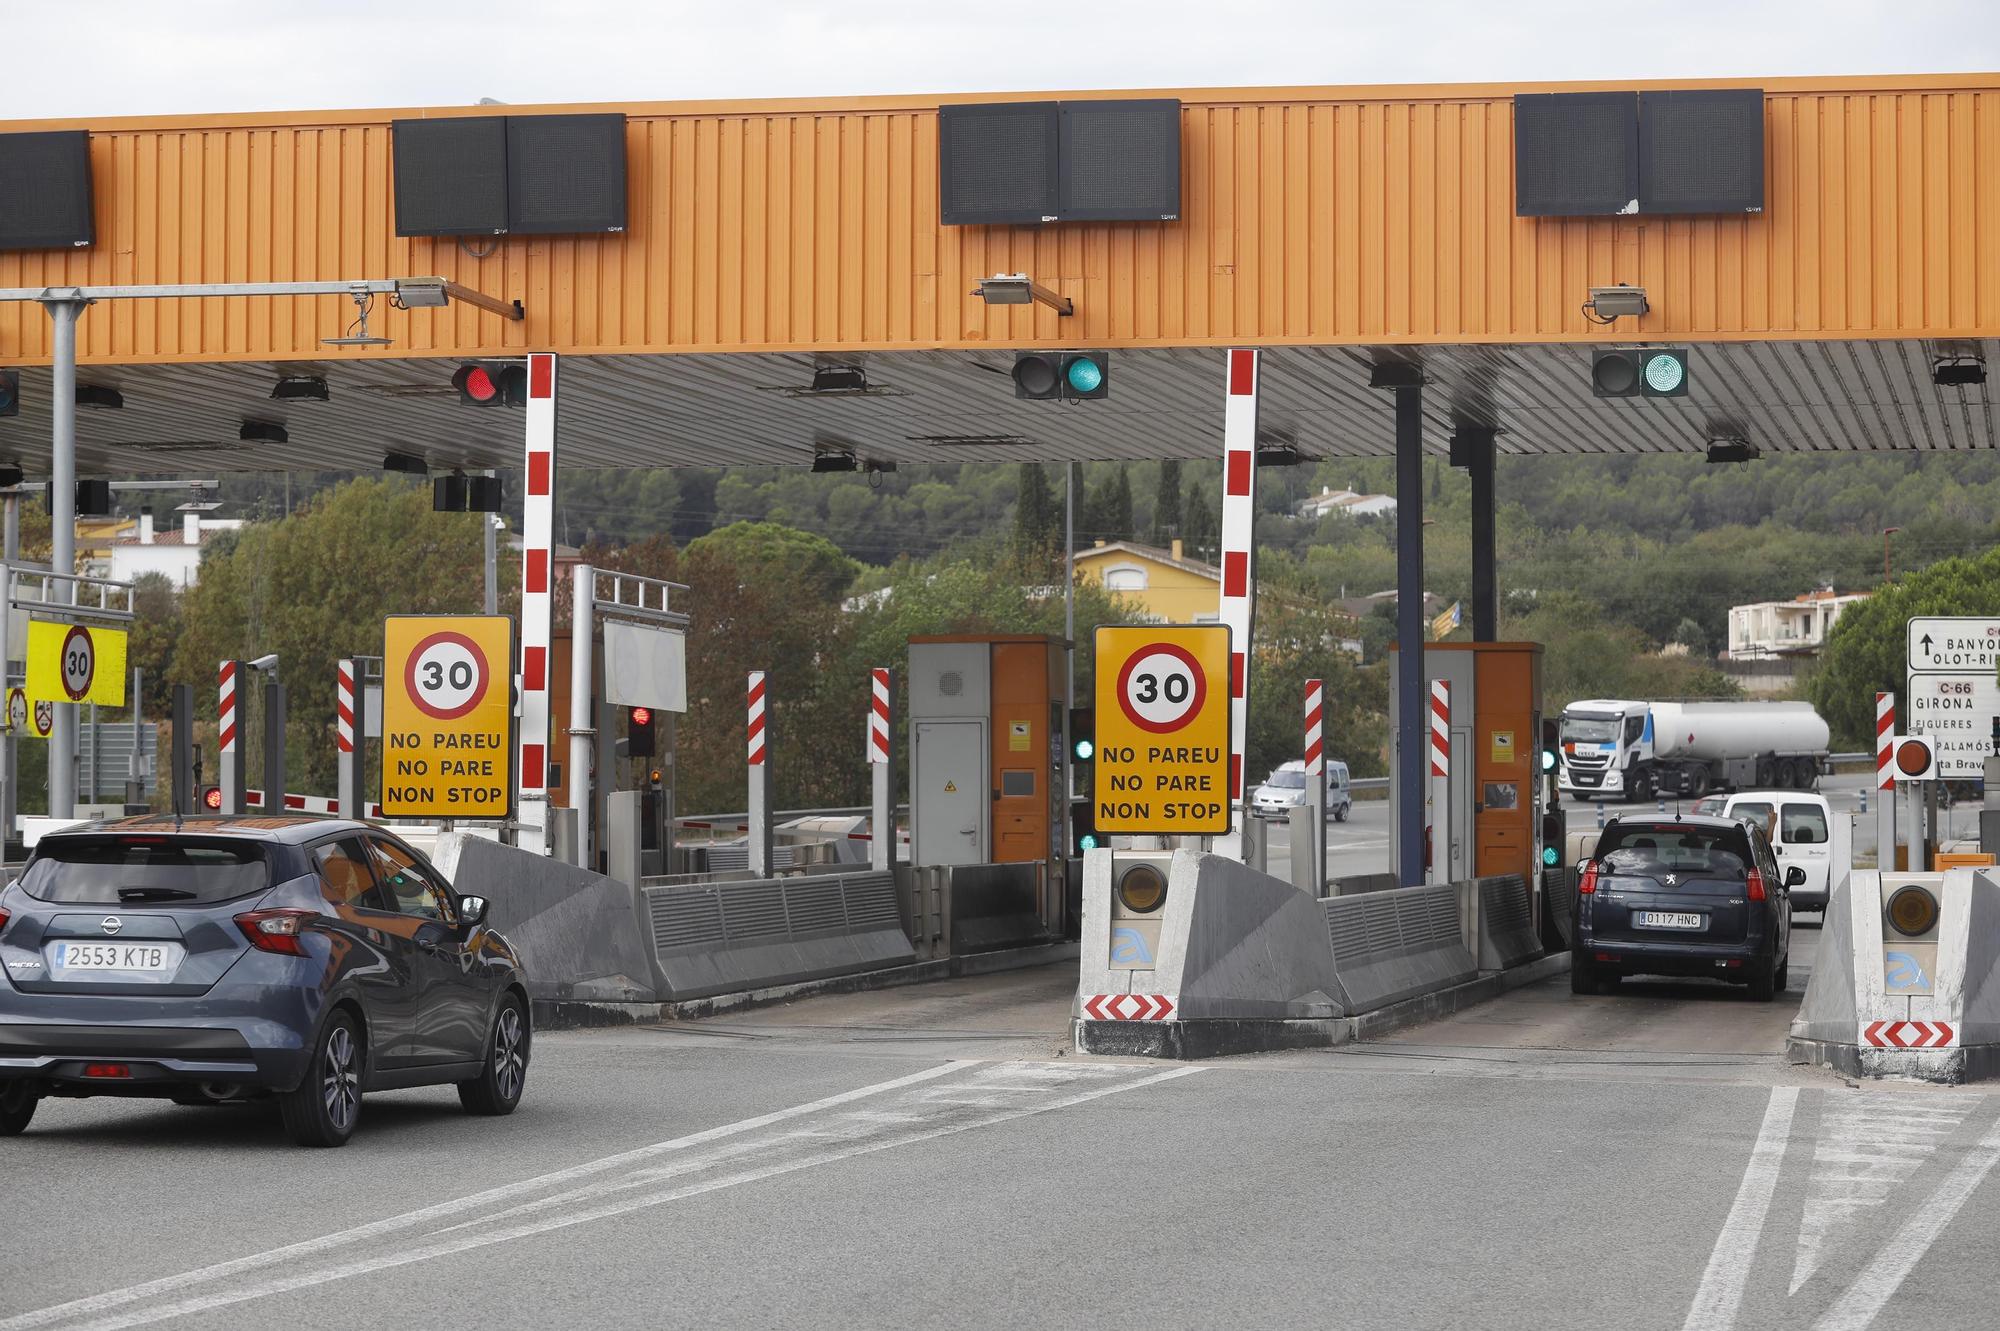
(1683,896)
(207,960)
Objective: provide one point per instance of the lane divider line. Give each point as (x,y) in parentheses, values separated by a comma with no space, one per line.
(1721,1291)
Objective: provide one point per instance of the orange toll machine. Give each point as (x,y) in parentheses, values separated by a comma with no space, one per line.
(1496,721)
(986,763)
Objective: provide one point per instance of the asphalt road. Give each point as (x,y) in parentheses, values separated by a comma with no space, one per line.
(933,1157)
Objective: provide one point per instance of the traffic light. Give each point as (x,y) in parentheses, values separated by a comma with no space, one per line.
(1551,747)
(1639,372)
(488,384)
(639,733)
(10,392)
(1083,826)
(1555,831)
(1072,376)
(211,798)
(1082,734)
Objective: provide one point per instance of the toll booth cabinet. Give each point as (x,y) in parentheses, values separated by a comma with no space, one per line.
(986,719)
(1495,790)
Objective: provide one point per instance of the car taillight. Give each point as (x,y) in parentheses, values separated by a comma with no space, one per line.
(1754,883)
(3,921)
(107,1070)
(275,930)
(1587,885)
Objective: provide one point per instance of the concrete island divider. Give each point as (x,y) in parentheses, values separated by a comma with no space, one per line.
(1236,961)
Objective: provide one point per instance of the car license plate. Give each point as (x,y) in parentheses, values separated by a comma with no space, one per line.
(143,958)
(1669,919)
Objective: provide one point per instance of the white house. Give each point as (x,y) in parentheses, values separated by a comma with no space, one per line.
(1347,503)
(174,554)
(1797,627)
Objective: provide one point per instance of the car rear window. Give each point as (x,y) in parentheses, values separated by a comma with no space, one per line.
(1803,824)
(110,871)
(1696,852)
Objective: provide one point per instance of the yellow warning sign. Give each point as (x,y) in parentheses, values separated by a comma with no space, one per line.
(1503,747)
(951,787)
(76,663)
(1020,737)
(1162,696)
(447,716)
(28,719)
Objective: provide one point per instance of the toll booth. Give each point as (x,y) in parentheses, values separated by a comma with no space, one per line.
(986,761)
(1495,727)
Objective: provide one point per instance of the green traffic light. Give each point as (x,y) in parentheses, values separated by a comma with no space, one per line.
(1085,375)
(1664,372)
(1085,750)
(1548,855)
(1548,760)
(1088,841)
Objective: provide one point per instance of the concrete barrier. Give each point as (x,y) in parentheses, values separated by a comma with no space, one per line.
(1506,922)
(1356,883)
(1880,1005)
(1389,946)
(722,937)
(577,932)
(1559,901)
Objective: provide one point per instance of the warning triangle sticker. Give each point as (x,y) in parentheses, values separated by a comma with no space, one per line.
(951,787)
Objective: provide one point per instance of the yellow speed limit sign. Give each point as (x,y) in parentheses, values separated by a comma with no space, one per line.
(447,716)
(1162,704)
(76,663)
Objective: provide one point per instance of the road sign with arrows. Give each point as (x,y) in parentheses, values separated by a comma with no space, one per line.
(1953,697)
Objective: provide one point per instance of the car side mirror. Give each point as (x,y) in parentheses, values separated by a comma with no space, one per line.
(1795,877)
(471,911)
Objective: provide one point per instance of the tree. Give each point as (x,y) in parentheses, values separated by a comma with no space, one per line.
(1167,506)
(1868,648)
(1200,537)
(1037,531)
(155,626)
(1691,635)
(786,556)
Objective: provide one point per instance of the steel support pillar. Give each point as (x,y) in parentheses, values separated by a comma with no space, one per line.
(1412,701)
(185,800)
(274,748)
(582,714)
(10,750)
(62,530)
(1475,447)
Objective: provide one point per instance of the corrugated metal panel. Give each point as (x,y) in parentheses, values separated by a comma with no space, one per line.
(1312,216)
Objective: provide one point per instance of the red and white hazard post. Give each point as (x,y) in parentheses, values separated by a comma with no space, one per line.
(1440,858)
(882,767)
(1239,577)
(1885,781)
(538,518)
(350,799)
(758,735)
(229,770)
(1309,851)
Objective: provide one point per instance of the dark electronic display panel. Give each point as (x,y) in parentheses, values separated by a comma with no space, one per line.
(1121,161)
(1576,154)
(566,174)
(997,163)
(1702,151)
(45,200)
(451,176)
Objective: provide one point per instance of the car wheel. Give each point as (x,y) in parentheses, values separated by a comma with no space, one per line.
(17,1107)
(324,1107)
(497,1088)
(1340,814)
(1783,979)
(1641,788)
(1763,986)
(1694,782)
(1582,977)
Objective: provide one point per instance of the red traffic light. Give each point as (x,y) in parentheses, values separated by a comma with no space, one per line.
(1915,758)
(642,716)
(212,798)
(486,385)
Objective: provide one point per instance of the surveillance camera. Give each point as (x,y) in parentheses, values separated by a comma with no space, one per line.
(269,662)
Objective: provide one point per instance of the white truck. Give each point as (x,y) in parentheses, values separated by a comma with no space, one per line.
(1619,749)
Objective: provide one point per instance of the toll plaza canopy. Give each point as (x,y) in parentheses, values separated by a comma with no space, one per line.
(1335,228)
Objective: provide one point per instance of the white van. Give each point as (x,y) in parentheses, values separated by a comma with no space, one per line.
(1285,788)
(1800,835)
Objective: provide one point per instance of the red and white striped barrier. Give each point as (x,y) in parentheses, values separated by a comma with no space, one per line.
(226,708)
(754,719)
(1315,709)
(878,718)
(537,599)
(310,804)
(1440,728)
(343,705)
(1885,735)
(1909,1035)
(1129,1007)
(1239,529)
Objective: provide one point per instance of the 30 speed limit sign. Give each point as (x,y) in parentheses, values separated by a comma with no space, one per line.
(447,716)
(1162,763)
(75,663)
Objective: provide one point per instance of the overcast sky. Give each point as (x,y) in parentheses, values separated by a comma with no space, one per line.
(87,58)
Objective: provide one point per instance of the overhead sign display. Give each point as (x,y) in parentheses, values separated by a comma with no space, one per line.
(447,716)
(645,665)
(1162,764)
(1958,644)
(1955,712)
(76,663)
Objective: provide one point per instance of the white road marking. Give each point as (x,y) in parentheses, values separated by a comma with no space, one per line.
(1869,1143)
(1721,1290)
(203,1303)
(361,1233)
(1874,1287)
